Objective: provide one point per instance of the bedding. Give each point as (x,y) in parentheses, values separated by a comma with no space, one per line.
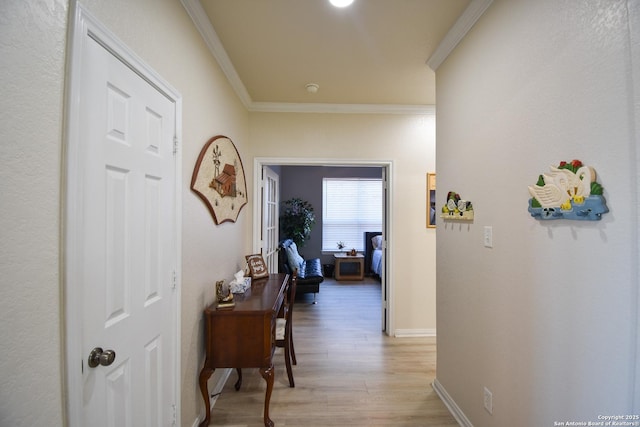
(376,255)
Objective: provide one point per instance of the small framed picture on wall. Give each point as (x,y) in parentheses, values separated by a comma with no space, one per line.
(431,200)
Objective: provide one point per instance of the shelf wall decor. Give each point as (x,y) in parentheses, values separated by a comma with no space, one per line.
(456,209)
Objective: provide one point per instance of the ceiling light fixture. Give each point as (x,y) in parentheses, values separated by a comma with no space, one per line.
(341,3)
(312,87)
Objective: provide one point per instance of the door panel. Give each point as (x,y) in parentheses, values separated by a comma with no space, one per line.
(128,226)
(153,381)
(270,212)
(117,385)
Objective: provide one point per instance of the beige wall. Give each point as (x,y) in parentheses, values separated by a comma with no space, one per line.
(408,141)
(33,50)
(169,42)
(547,319)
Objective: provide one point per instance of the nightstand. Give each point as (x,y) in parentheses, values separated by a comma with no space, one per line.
(349,267)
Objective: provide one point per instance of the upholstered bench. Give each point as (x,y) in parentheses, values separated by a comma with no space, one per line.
(309,270)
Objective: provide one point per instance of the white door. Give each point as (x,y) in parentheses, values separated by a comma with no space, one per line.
(124,236)
(270,217)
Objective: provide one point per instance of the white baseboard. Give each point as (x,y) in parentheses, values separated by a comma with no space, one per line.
(405,333)
(220,377)
(451,405)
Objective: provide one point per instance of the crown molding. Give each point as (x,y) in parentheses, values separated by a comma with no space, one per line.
(463,25)
(274,107)
(199,17)
(211,39)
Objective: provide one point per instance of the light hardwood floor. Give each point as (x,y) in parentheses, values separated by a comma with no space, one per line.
(348,374)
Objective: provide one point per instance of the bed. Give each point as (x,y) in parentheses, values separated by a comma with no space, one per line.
(373,253)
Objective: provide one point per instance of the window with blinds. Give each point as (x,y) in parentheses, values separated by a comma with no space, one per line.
(350,206)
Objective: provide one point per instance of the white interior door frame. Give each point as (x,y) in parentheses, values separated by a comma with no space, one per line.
(387,165)
(82,27)
(270,208)
(634,18)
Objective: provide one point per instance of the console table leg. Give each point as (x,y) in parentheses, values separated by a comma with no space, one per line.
(267,374)
(205,374)
(238,383)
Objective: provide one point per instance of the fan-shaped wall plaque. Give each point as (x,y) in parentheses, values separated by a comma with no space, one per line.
(218,179)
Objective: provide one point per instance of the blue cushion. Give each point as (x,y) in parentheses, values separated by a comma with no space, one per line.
(309,270)
(293,257)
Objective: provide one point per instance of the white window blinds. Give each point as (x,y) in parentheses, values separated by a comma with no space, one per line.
(349,208)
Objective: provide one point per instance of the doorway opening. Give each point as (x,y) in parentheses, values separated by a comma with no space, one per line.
(386,304)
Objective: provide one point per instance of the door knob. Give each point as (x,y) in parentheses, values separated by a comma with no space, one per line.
(101,357)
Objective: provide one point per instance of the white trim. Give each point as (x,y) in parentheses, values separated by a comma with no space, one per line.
(463,25)
(634,43)
(71,185)
(178,249)
(410,333)
(216,390)
(451,405)
(82,26)
(258,162)
(274,107)
(199,17)
(211,39)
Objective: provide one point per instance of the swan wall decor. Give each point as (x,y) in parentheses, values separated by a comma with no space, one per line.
(568,191)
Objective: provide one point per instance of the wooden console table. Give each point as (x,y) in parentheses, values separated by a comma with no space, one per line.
(341,259)
(243,336)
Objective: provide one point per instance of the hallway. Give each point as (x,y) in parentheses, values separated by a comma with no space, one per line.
(348,372)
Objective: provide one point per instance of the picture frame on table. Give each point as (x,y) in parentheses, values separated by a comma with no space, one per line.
(257,267)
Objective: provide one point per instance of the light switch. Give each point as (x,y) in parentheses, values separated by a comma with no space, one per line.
(488,236)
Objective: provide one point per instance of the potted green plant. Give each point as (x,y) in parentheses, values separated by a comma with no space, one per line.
(297,220)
